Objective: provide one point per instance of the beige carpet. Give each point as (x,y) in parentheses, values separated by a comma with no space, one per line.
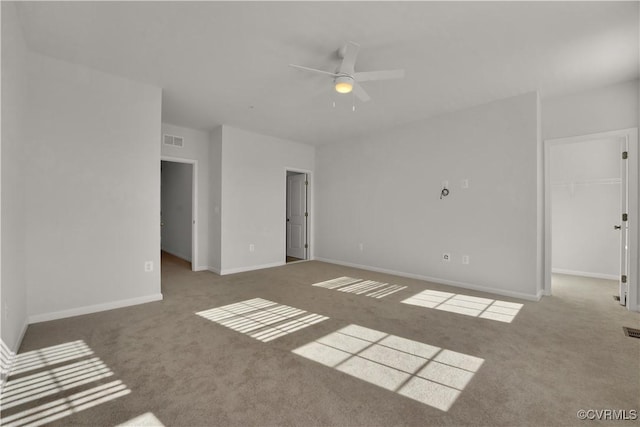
(565,353)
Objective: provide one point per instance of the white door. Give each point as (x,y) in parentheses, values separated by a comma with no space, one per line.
(296,215)
(624,223)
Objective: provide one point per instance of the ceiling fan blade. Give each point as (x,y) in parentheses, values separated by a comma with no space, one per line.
(366,76)
(349,55)
(360,93)
(313,70)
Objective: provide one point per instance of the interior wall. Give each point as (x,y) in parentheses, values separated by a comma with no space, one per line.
(176,209)
(254,197)
(92,190)
(585,187)
(599,110)
(215,200)
(379,206)
(196,147)
(12,206)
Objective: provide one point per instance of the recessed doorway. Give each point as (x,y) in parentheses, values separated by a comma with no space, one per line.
(297,216)
(177,209)
(591,202)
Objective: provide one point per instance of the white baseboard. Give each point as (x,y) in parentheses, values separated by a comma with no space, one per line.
(12,353)
(250,268)
(45,317)
(586,274)
(214,270)
(18,342)
(520,295)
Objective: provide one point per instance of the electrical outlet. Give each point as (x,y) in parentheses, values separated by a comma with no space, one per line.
(252,247)
(361,246)
(446,257)
(465,259)
(148,266)
(464,183)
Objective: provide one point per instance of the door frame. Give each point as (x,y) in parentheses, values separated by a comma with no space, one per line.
(310,210)
(194,205)
(631,134)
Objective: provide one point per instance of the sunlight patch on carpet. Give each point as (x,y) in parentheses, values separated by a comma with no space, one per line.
(485,308)
(261,319)
(425,373)
(337,282)
(51,372)
(369,288)
(48,356)
(60,408)
(32,387)
(145,420)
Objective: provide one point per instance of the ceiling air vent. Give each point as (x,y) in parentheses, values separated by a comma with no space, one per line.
(176,141)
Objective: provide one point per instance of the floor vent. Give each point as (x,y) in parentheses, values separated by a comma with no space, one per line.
(631,332)
(616,297)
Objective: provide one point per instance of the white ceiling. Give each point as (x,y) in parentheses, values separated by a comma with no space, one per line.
(227,62)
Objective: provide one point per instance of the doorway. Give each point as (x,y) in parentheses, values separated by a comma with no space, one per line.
(297,216)
(589,184)
(177,209)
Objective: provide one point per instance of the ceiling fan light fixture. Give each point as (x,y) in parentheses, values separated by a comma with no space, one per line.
(344,84)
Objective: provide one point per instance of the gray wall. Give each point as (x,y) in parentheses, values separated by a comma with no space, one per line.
(598,110)
(215,201)
(12,205)
(176,208)
(92,190)
(254,197)
(241,195)
(384,192)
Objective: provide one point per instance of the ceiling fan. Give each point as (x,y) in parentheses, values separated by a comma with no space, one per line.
(346,79)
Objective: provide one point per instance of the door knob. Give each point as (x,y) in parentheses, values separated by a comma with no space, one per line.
(616,227)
